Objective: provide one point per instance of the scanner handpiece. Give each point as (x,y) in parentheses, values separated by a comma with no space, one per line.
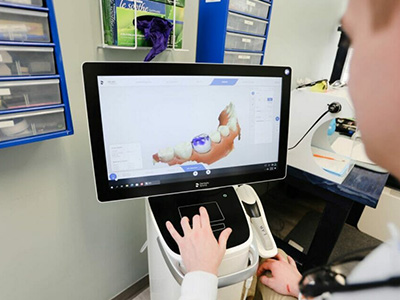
(251,204)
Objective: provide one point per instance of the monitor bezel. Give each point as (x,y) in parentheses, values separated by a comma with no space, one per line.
(91,71)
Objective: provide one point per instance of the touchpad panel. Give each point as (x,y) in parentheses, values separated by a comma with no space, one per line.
(213,210)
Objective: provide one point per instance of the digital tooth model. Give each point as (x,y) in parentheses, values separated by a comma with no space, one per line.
(201,143)
(205,148)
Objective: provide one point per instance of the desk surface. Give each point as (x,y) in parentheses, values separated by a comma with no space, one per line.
(361,185)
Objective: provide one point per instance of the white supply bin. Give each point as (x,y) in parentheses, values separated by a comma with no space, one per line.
(243,42)
(252,7)
(244,58)
(25,61)
(29,93)
(245,24)
(18,125)
(24,25)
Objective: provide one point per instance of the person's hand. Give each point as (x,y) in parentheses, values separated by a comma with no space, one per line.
(199,249)
(284,277)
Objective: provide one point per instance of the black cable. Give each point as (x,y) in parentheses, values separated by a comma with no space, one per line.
(315,123)
(333,108)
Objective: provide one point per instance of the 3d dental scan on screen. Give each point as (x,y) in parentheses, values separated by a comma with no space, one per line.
(185,136)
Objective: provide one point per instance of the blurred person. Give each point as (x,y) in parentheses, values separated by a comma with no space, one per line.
(374,29)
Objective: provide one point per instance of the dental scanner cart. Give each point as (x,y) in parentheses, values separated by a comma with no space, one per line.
(225,210)
(134,111)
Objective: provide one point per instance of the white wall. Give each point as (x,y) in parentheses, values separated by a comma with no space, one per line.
(56,240)
(303,35)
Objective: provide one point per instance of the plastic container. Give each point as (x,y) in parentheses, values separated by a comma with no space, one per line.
(25,61)
(242,58)
(245,24)
(252,7)
(24,25)
(25,2)
(29,93)
(18,125)
(243,42)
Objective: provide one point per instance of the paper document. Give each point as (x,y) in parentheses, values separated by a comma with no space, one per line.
(347,147)
(331,162)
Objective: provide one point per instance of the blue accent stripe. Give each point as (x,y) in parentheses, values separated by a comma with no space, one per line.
(21,6)
(267,32)
(31,109)
(16,78)
(59,65)
(31,44)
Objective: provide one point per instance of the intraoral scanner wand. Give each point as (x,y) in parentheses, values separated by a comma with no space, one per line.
(254,210)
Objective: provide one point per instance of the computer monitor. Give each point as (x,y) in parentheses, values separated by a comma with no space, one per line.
(165,128)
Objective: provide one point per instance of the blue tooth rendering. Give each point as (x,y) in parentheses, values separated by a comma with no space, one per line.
(201,143)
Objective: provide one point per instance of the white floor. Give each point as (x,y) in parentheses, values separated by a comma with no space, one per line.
(145,295)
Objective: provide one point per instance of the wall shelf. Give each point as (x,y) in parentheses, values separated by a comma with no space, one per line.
(104,45)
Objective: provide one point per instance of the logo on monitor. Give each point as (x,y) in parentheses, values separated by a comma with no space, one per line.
(202,184)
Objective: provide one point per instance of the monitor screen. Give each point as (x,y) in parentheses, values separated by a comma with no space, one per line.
(168,128)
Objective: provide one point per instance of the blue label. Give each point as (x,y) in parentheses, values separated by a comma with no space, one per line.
(224,81)
(193,168)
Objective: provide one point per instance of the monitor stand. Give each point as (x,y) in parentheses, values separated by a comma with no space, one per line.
(225,210)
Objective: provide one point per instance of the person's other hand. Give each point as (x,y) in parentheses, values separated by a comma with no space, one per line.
(199,249)
(284,277)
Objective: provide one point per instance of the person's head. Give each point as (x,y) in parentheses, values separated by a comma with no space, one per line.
(374,29)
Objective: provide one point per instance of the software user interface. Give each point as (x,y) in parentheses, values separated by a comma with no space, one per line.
(159,129)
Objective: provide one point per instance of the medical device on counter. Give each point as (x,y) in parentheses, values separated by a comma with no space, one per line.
(323,136)
(307,110)
(186,136)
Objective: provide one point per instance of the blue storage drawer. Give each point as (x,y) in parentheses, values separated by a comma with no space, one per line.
(237,22)
(256,8)
(29,93)
(26,61)
(242,58)
(34,102)
(24,25)
(243,42)
(26,124)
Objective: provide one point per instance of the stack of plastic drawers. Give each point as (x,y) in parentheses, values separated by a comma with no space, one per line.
(33,96)
(246,28)
(243,33)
